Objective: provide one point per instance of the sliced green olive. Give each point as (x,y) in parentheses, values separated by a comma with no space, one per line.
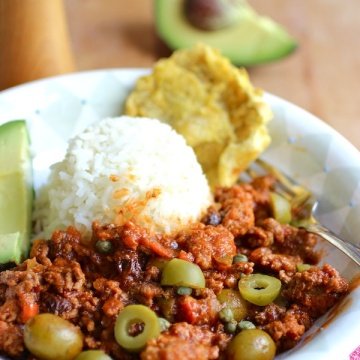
(179,272)
(302,267)
(259,289)
(231,299)
(93,355)
(281,208)
(253,344)
(49,337)
(131,315)
(300,222)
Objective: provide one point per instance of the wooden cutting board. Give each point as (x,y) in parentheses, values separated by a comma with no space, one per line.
(323,75)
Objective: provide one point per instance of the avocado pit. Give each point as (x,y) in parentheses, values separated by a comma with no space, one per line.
(212,15)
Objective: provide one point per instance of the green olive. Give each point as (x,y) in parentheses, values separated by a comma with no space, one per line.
(49,337)
(179,272)
(281,208)
(232,300)
(136,314)
(302,267)
(259,289)
(93,355)
(253,344)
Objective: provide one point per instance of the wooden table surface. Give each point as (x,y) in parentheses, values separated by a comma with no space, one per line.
(322,76)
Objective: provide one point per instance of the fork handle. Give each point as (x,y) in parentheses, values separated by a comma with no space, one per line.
(349,249)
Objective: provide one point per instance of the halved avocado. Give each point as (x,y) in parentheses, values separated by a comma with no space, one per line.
(252,40)
(16,191)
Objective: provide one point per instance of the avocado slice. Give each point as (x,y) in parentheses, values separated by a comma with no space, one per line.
(252,40)
(10,248)
(16,192)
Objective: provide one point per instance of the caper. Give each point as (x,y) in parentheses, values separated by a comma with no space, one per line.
(49,337)
(179,272)
(226,314)
(104,246)
(164,324)
(252,344)
(246,325)
(136,314)
(230,327)
(239,258)
(183,290)
(259,289)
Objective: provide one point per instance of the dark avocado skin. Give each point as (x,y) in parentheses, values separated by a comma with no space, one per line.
(251,41)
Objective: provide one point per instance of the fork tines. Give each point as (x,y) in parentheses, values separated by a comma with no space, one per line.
(284,185)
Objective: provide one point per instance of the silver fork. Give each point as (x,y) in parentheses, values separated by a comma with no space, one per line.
(305,204)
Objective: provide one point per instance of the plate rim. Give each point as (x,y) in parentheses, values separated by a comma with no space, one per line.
(274,99)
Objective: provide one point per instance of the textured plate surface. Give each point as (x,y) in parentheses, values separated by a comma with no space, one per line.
(302,146)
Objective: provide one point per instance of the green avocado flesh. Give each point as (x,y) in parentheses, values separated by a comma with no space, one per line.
(16,192)
(10,248)
(252,40)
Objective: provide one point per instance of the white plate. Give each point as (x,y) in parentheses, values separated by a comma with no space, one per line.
(302,146)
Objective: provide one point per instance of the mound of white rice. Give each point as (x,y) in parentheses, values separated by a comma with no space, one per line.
(124,169)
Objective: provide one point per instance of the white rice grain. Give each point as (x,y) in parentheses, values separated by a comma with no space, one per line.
(136,166)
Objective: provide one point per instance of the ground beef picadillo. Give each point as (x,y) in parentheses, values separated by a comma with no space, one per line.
(69,277)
